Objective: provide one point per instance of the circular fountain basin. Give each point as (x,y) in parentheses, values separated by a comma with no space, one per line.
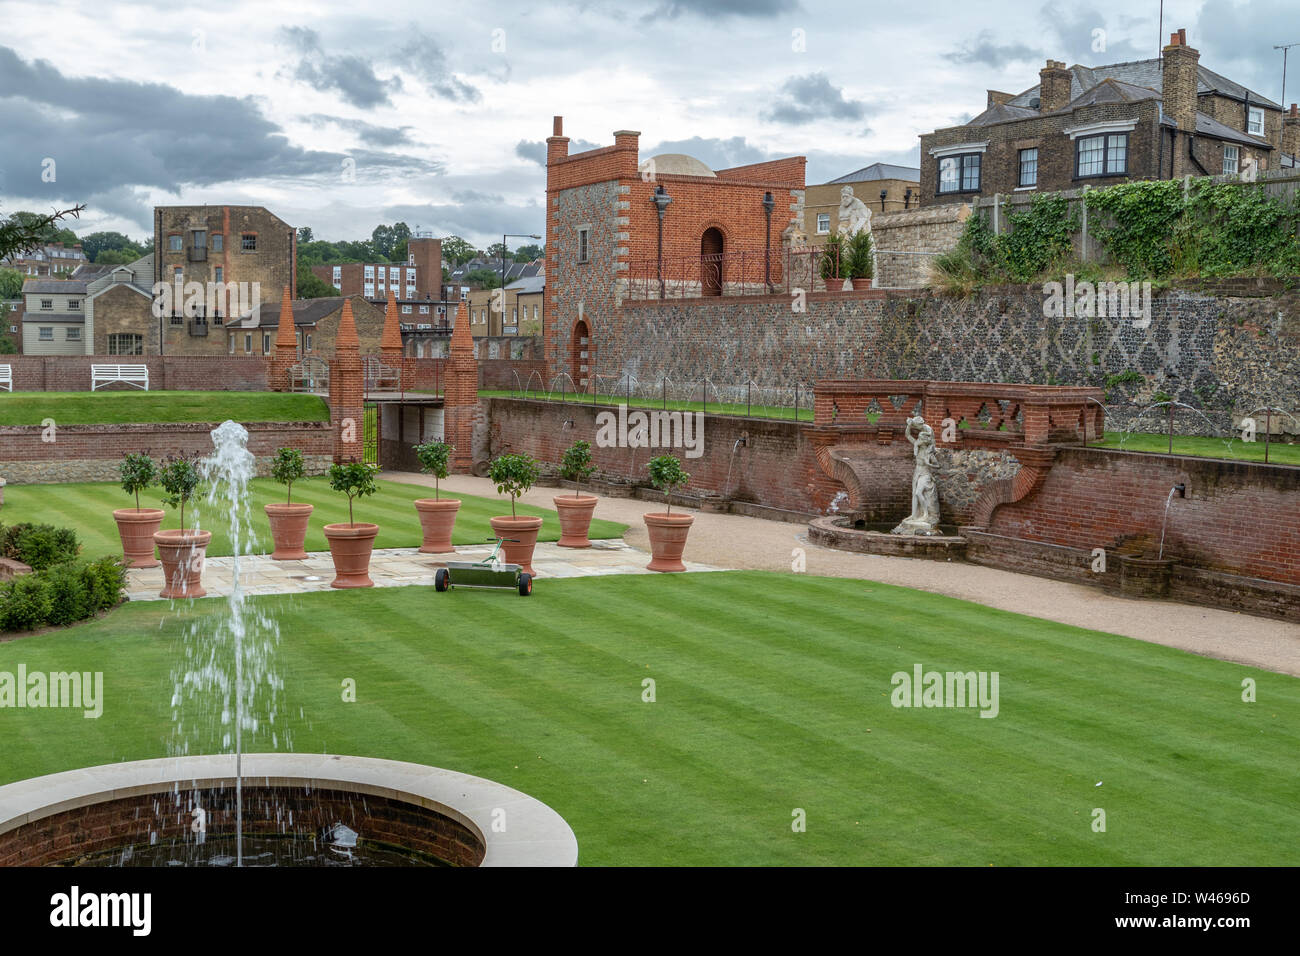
(848,534)
(430,814)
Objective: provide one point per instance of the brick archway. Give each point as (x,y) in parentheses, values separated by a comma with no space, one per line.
(712,247)
(582,351)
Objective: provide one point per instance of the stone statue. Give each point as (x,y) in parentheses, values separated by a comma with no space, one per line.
(924,518)
(854,216)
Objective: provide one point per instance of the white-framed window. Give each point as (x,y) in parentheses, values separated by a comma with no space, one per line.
(73,333)
(406,310)
(369,290)
(1028,167)
(410,291)
(174,243)
(394,275)
(308,341)
(1231,156)
(410,276)
(424,310)
(534,312)
(338,277)
(1255,122)
(823,223)
(230,345)
(958,174)
(370,272)
(46,333)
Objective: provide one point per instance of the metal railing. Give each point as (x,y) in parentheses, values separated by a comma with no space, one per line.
(774,271)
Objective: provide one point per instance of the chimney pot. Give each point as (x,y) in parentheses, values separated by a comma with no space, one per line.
(557,125)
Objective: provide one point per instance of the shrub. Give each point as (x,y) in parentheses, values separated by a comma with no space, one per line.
(861,263)
(833,265)
(69,597)
(286,468)
(39,545)
(434,456)
(138,473)
(24,603)
(513,475)
(666,474)
(179,479)
(354,479)
(576,464)
(63,594)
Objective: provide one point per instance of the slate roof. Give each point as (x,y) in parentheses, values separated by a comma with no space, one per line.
(305,312)
(528,285)
(58,286)
(878,171)
(1205,126)
(1148,74)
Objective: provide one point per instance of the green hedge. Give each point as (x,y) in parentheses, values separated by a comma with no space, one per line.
(38,545)
(61,594)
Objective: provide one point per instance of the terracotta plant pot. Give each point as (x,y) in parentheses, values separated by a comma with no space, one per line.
(288,530)
(137,529)
(667,540)
(437,518)
(525,530)
(575,519)
(861,285)
(350,547)
(183,552)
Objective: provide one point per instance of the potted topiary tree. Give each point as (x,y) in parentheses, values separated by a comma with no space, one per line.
(137,526)
(288,520)
(513,475)
(352,543)
(835,264)
(667,530)
(575,510)
(862,266)
(437,514)
(183,549)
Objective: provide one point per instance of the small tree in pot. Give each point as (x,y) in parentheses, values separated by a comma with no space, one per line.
(437,514)
(861,265)
(351,544)
(137,526)
(667,531)
(288,520)
(182,551)
(834,264)
(514,475)
(575,510)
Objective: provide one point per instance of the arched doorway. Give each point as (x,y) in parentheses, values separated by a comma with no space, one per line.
(580,352)
(711,249)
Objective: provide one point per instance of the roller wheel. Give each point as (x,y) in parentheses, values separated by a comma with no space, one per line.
(441,580)
(525,584)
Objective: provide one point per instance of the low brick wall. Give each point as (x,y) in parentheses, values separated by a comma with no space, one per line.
(94,452)
(71,373)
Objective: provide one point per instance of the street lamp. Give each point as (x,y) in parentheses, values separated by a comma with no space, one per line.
(883,194)
(504,237)
(661,200)
(768,205)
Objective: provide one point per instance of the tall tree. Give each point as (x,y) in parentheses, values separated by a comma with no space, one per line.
(304,234)
(529,252)
(456,250)
(382,241)
(497,250)
(311,286)
(11,283)
(98,242)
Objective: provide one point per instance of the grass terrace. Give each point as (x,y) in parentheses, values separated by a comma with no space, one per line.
(755,410)
(89,509)
(120,407)
(1233,449)
(772,693)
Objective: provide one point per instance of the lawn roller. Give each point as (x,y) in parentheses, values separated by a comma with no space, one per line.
(491,572)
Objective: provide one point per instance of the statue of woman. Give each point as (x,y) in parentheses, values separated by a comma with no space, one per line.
(925,492)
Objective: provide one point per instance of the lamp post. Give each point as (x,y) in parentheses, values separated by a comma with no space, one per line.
(907,196)
(768,205)
(504,237)
(883,194)
(661,199)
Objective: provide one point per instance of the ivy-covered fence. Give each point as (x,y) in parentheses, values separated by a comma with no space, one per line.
(1212,227)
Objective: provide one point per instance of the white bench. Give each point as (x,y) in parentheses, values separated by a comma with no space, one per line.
(7,377)
(137,375)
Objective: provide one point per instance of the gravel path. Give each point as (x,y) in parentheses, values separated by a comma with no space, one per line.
(734,541)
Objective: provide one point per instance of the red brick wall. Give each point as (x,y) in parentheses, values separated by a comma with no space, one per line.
(71,373)
(23,443)
(1238,517)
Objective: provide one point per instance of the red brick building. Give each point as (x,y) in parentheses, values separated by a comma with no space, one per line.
(621,228)
(419,278)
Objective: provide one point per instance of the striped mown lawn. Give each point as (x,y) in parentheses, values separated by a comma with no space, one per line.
(89,509)
(119,407)
(771,695)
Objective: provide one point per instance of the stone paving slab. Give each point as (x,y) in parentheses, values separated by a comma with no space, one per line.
(396,567)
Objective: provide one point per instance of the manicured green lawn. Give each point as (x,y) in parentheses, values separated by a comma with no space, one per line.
(1278,454)
(89,509)
(772,693)
(119,407)
(754,410)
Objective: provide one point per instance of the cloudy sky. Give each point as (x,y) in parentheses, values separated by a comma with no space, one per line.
(340,116)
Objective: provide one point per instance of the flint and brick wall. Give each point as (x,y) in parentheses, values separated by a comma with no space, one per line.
(95,452)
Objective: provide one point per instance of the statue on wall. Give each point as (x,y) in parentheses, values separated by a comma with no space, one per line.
(924,518)
(854,216)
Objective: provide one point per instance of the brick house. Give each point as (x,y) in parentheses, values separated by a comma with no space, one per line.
(315,322)
(884,187)
(1149,119)
(420,277)
(620,228)
(524,307)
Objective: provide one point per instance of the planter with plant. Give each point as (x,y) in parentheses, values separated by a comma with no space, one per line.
(667,530)
(575,510)
(861,264)
(182,549)
(437,514)
(513,475)
(834,263)
(137,525)
(352,543)
(288,520)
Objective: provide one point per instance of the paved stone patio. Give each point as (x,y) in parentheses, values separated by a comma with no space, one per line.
(397,567)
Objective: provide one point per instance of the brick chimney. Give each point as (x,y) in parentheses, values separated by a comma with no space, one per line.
(1053,87)
(1291,131)
(1178,81)
(557,144)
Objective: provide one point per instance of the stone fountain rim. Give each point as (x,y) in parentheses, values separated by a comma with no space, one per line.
(535,835)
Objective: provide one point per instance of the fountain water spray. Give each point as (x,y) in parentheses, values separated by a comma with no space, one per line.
(1180,490)
(241,640)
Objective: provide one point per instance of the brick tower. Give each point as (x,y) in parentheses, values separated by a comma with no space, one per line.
(460,395)
(391,352)
(347,390)
(286,347)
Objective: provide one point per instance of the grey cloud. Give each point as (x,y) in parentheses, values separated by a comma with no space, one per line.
(105,134)
(712,8)
(803,99)
(476,216)
(370,132)
(1075,27)
(984,49)
(423,57)
(714,152)
(534,150)
(302,39)
(351,76)
(1237,41)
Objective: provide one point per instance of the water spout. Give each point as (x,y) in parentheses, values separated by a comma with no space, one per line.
(1180,490)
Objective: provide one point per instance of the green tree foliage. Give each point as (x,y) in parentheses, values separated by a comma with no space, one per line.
(20,231)
(529,252)
(312,286)
(304,234)
(485,278)
(11,283)
(456,250)
(97,244)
